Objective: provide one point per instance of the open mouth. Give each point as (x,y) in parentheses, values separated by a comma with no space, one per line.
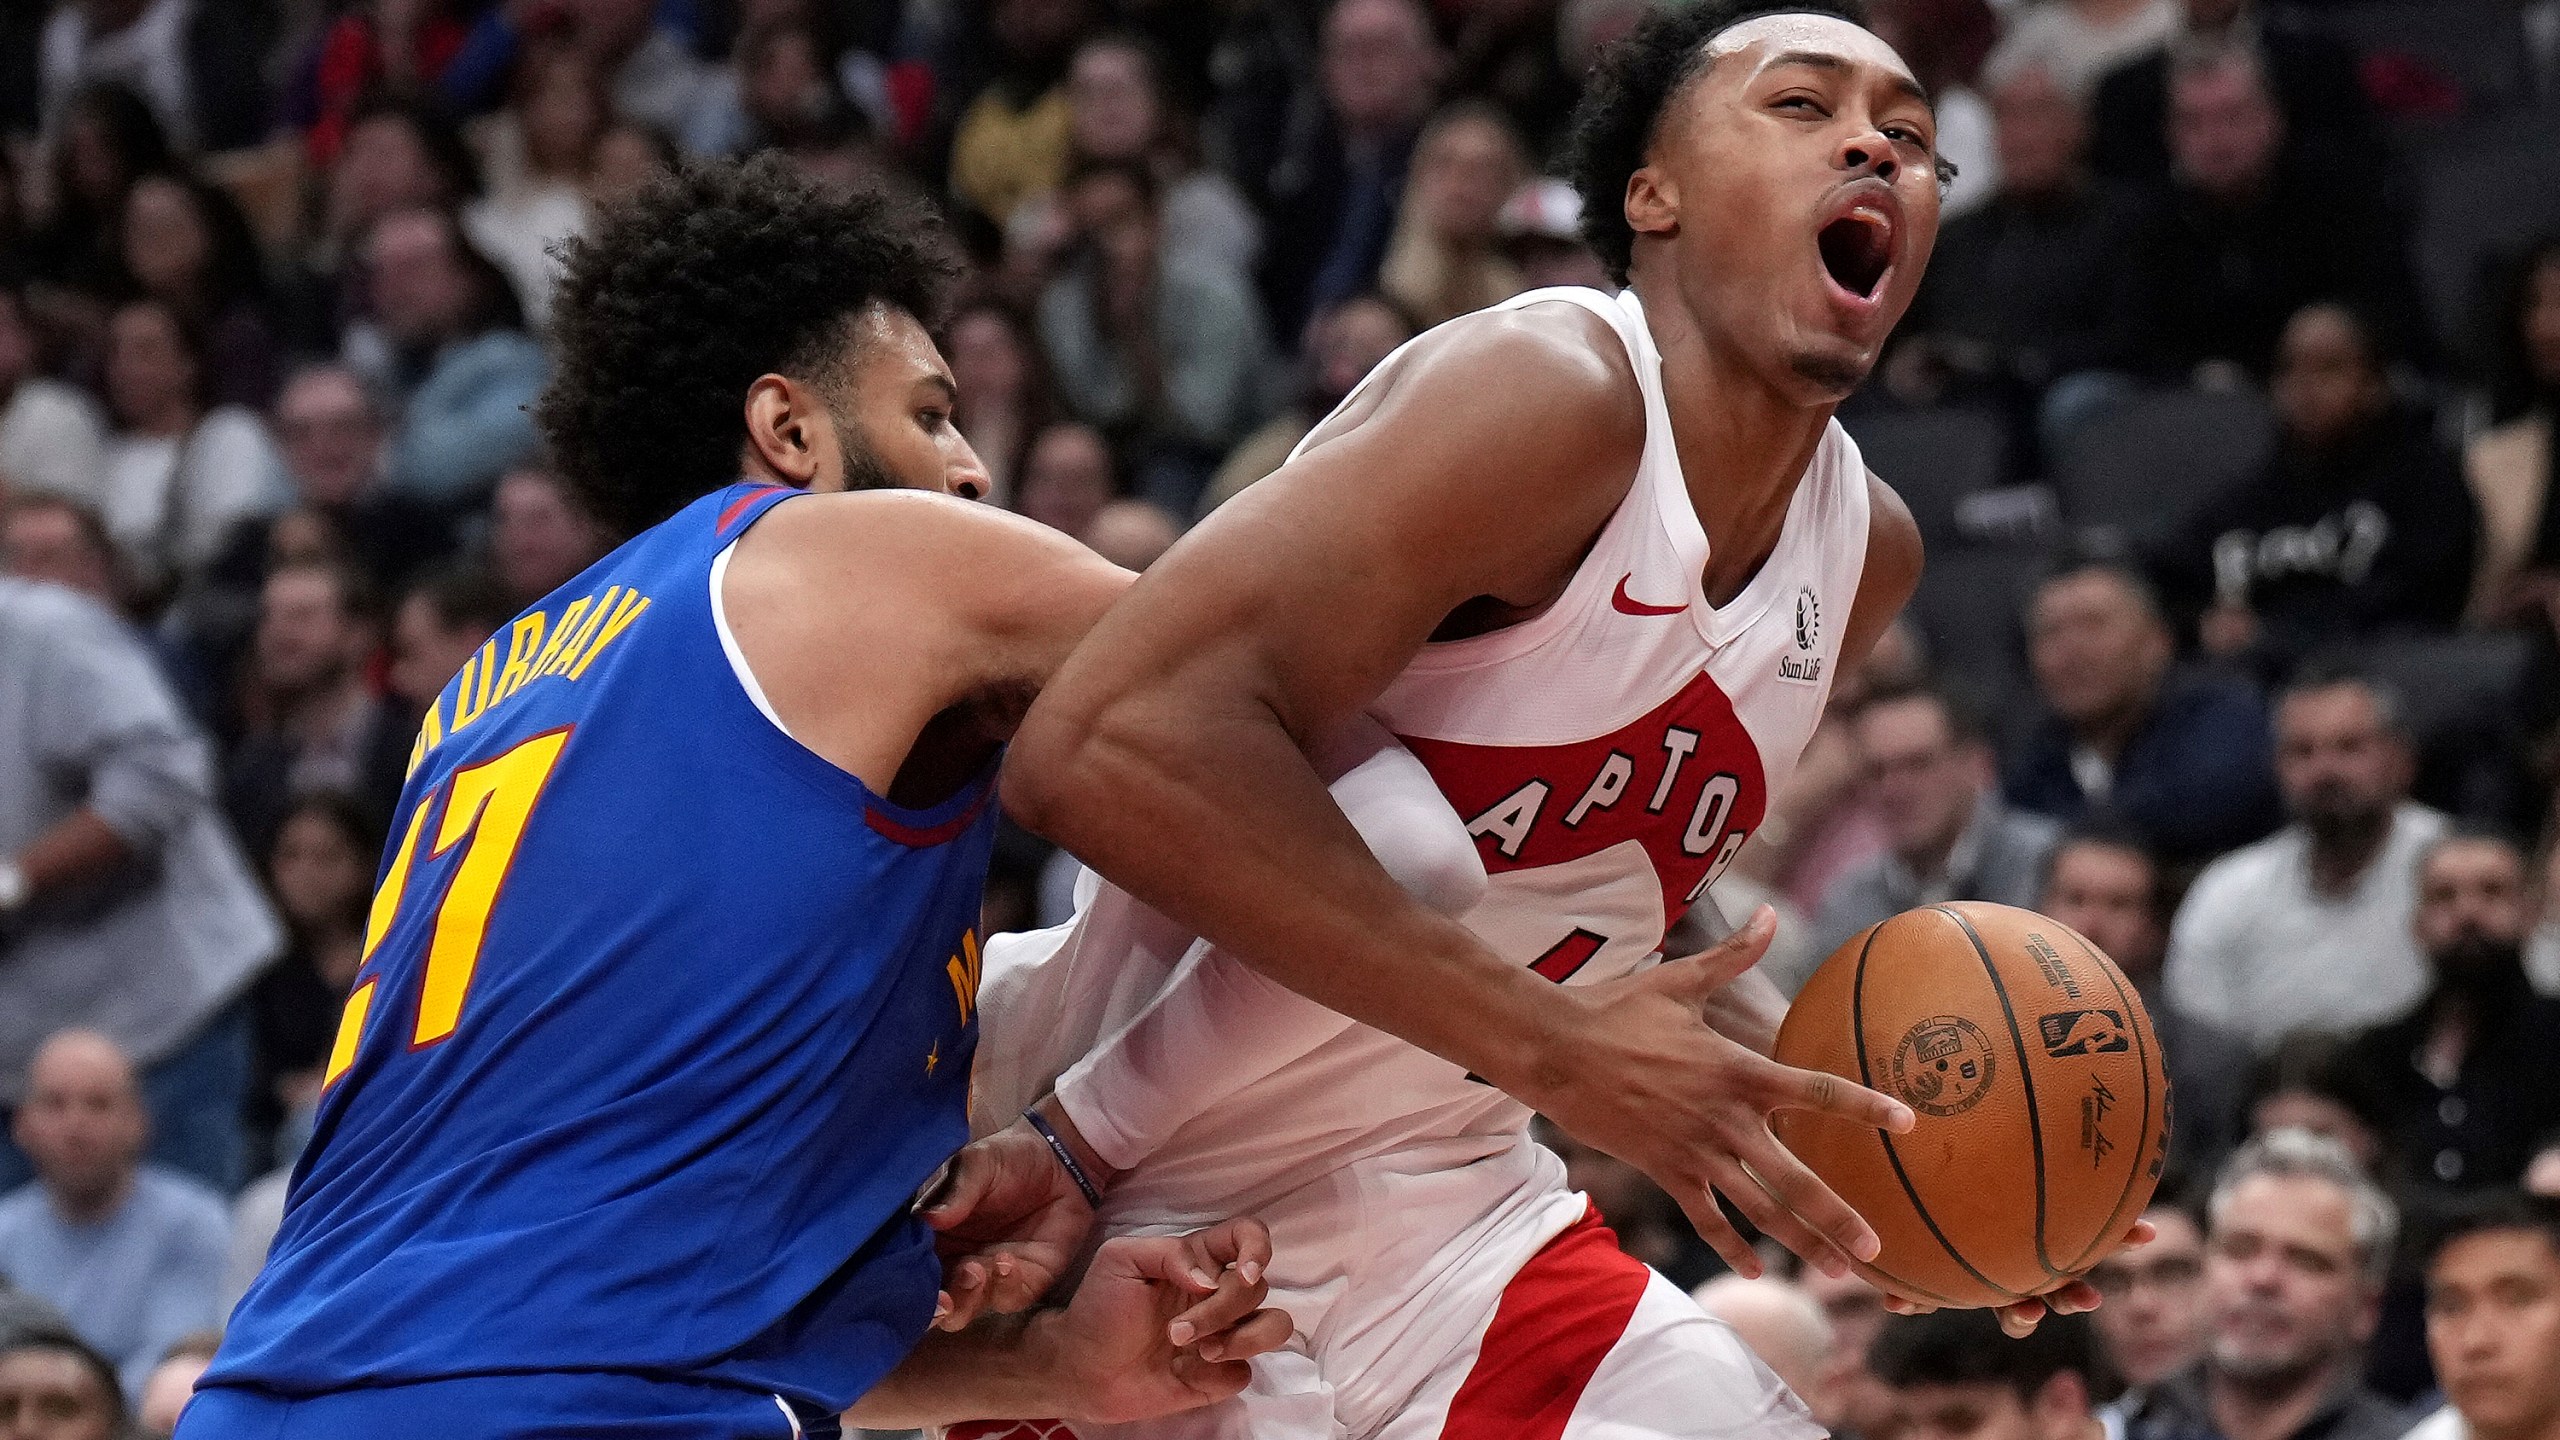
(1857,249)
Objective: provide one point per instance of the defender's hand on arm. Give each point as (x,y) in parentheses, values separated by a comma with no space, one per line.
(1009,1218)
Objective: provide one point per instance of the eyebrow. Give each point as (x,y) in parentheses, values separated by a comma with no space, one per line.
(950,388)
(1820,61)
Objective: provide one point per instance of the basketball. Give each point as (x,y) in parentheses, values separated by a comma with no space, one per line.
(2042,1109)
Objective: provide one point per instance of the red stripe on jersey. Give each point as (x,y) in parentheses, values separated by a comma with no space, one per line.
(1010,1430)
(928,836)
(732,510)
(1559,1318)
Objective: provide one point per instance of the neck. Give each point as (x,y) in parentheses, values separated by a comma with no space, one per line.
(2339,857)
(2109,732)
(1742,444)
(91,1207)
(2540,1427)
(2269,1409)
(1932,859)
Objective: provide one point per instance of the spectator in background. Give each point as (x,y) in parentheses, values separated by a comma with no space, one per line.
(173,1383)
(1166,352)
(401,154)
(1784,1327)
(2184,756)
(106,140)
(1855,1310)
(1012,141)
(1132,534)
(132,1253)
(1331,197)
(51,437)
(1344,343)
(2029,307)
(539,536)
(1542,236)
(2310,928)
(22,1313)
(182,472)
(2510,467)
(1005,394)
(1824,822)
(186,244)
(448,341)
(779,94)
(2077,41)
(317,723)
(333,438)
(2252,229)
(628,156)
(1956,1376)
(1928,767)
(2308,1082)
(539,158)
(1445,257)
(1068,475)
(1119,108)
(2466,1085)
(2151,1327)
(395,47)
(2359,525)
(648,68)
(2313,78)
(444,617)
(2296,1247)
(2493,1323)
(2104,883)
(1946,42)
(320,871)
(124,903)
(46,537)
(48,1378)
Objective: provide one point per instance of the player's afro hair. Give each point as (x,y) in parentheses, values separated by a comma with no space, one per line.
(686,292)
(1624,97)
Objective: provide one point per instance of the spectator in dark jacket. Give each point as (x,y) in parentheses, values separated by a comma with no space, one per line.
(2312,76)
(2360,524)
(2185,758)
(2257,223)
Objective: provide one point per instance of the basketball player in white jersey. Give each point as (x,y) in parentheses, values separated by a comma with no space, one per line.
(1595,560)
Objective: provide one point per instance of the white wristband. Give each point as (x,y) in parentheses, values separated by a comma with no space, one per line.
(13,886)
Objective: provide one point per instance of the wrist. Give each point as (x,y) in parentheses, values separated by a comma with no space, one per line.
(1536,1032)
(1053,1111)
(1054,1384)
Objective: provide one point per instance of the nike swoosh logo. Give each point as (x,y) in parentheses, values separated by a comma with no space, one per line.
(1627,605)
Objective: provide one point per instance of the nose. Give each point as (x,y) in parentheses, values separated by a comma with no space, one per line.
(969,477)
(1869,150)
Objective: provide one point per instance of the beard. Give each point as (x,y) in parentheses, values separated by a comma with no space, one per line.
(862,468)
(2479,967)
(2339,819)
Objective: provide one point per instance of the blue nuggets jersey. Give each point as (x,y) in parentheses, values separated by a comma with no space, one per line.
(662,1021)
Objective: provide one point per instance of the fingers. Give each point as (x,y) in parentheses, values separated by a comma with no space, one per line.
(963,1297)
(1707,1218)
(1816,1223)
(1831,1095)
(1261,1332)
(1695,977)
(956,1191)
(2142,1233)
(1236,1286)
(2078,1297)
(1020,1279)
(1243,1242)
(1209,1381)
(2019,1319)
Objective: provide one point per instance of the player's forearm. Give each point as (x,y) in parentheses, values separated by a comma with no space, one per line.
(1005,1367)
(1222,824)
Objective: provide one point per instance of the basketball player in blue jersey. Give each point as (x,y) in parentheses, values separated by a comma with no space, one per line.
(667,1002)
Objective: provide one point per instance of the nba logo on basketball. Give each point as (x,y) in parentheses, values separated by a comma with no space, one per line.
(2084,1032)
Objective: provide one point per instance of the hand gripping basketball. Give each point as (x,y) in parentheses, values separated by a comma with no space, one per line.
(1652,1083)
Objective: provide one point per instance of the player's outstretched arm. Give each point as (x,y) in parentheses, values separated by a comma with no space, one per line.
(1169,753)
(1157,1326)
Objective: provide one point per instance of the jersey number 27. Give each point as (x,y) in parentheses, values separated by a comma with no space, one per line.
(485,809)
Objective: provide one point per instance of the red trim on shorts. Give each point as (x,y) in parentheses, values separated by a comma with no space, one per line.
(1559,1318)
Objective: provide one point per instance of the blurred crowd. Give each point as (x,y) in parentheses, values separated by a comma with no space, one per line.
(2227,410)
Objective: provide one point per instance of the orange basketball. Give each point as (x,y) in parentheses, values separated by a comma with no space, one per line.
(2043,1111)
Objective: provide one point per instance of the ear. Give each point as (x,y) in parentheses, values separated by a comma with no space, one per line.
(1653,203)
(788,432)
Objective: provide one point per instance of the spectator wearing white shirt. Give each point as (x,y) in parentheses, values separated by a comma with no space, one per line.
(2309,929)
(51,438)
(181,473)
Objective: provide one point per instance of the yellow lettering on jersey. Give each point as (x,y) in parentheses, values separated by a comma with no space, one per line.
(342,1051)
(568,655)
(471,689)
(963,969)
(633,603)
(523,643)
(430,731)
(560,633)
(395,881)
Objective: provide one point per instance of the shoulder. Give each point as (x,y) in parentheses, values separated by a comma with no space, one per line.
(180,1201)
(2417,826)
(18,1207)
(1562,353)
(1895,553)
(40,611)
(877,557)
(2231,878)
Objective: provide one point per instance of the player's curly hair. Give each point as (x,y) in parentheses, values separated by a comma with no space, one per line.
(686,292)
(1623,98)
